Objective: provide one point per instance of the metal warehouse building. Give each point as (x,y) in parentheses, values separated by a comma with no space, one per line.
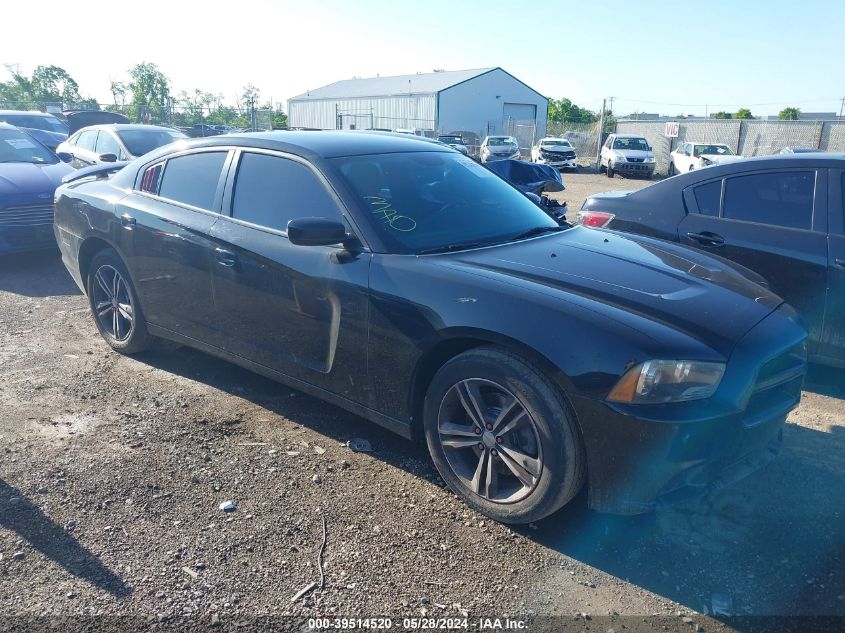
(474,102)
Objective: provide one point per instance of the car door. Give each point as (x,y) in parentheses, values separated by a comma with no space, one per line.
(83,149)
(165,227)
(298,310)
(605,149)
(107,144)
(772,221)
(833,340)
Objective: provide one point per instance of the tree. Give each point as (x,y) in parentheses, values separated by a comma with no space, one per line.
(563,111)
(150,90)
(722,115)
(47,84)
(743,113)
(789,114)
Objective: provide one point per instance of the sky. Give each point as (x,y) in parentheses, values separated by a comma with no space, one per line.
(650,56)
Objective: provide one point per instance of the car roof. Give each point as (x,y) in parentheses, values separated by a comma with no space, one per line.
(629,136)
(118,127)
(322,144)
(27,112)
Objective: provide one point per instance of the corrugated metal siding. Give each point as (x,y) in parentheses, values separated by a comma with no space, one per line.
(406,111)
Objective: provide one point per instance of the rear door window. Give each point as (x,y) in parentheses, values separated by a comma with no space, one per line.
(192,179)
(270,191)
(776,198)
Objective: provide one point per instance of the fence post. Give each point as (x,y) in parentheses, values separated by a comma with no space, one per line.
(601,133)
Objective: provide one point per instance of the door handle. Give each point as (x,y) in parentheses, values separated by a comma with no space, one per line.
(127,221)
(839,261)
(707,238)
(224,257)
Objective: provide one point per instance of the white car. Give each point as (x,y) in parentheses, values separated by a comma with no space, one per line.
(108,143)
(627,154)
(555,152)
(690,156)
(499,148)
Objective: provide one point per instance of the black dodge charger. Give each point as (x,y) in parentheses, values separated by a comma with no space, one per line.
(401,280)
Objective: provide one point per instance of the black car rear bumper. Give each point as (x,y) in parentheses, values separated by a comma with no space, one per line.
(642,457)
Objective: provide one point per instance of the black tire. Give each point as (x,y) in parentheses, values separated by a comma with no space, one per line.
(123,334)
(539,425)
(610,171)
(691,168)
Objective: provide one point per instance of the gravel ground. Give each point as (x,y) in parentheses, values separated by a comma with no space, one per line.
(112,471)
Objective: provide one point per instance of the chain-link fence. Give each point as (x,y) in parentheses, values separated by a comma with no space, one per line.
(746,137)
(585,138)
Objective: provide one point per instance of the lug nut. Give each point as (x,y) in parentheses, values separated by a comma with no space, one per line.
(494,452)
(489,427)
(499,440)
(477,430)
(480,446)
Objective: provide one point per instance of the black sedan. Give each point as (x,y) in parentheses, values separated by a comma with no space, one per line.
(401,280)
(780,216)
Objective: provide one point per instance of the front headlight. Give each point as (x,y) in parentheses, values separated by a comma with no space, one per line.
(658,381)
(619,158)
(649,159)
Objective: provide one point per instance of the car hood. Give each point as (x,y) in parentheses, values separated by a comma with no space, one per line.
(499,149)
(557,148)
(21,179)
(721,158)
(680,288)
(634,153)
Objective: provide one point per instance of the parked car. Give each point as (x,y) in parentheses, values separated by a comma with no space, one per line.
(690,156)
(627,154)
(780,216)
(29,175)
(43,127)
(109,143)
(800,150)
(498,148)
(454,141)
(399,279)
(555,152)
(78,119)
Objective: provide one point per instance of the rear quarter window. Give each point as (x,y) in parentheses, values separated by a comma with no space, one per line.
(708,198)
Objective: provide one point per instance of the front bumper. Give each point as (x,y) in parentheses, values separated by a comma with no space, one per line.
(643,457)
(16,239)
(494,157)
(639,169)
(559,163)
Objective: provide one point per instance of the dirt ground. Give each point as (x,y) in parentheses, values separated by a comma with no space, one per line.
(113,469)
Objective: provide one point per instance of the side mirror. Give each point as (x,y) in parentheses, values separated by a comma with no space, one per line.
(65,157)
(316,232)
(107,158)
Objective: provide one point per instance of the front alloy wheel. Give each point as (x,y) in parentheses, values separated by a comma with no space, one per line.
(490,440)
(503,436)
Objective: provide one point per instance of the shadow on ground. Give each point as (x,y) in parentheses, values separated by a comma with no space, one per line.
(37,274)
(771,544)
(20,515)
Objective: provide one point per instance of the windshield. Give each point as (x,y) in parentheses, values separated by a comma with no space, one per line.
(421,201)
(501,141)
(631,143)
(36,121)
(555,142)
(139,142)
(722,150)
(18,147)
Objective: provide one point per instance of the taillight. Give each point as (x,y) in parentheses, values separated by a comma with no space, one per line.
(595,219)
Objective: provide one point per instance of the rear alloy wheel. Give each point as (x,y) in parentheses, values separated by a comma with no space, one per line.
(502,437)
(114,304)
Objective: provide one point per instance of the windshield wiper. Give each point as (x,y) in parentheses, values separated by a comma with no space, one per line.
(538,230)
(448,248)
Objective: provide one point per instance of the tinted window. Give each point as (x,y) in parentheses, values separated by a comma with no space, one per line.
(87,140)
(106,144)
(778,198)
(270,191)
(707,198)
(139,142)
(192,179)
(150,179)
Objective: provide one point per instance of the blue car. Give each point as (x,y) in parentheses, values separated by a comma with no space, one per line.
(29,175)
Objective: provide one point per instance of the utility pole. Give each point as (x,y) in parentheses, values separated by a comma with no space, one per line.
(601,132)
(611,104)
(841,107)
